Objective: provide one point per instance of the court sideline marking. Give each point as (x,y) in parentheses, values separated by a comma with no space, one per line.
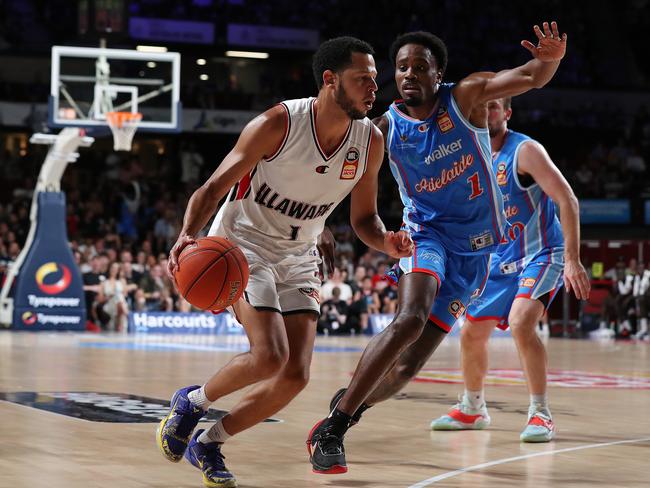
(476,467)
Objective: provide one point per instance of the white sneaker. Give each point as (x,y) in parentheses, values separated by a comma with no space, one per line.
(540,427)
(462,417)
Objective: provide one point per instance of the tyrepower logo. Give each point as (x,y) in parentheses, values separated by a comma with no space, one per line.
(53,278)
(29,318)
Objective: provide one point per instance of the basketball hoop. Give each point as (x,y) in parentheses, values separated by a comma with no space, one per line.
(123,125)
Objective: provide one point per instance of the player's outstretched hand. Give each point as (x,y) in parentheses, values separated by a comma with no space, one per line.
(576,279)
(551,46)
(326,248)
(398,244)
(182,242)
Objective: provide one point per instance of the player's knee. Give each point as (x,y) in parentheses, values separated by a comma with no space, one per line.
(295,379)
(269,361)
(407,327)
(521,328)
(471,335)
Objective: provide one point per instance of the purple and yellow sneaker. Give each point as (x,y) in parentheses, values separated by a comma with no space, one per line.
(175,430)
(208,458)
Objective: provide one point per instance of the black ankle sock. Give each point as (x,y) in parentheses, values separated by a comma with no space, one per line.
(357,415)
(340,421)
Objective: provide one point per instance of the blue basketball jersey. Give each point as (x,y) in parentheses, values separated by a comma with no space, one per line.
(443,168)
(535,229)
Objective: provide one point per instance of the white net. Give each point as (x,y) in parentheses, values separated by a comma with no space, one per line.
(123,125)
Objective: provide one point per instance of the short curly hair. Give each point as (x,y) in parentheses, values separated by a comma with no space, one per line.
(336,55)
(432,42)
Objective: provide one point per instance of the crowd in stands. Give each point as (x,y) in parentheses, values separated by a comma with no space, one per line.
(122,219)
(124,214)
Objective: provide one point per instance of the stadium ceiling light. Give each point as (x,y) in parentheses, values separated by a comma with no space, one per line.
(151,64)
(204,77)
(247,54)
(151,49)
(201,62)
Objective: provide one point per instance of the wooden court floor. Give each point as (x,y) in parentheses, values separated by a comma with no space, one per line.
(600,400)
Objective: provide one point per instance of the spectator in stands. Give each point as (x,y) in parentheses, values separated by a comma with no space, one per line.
(132,278)
(191,164)
(624,299)
(91,284)
(370,296)
(112,296)
(152,285)
(641,293)
(334,314)
(336,281)
(357,322)
(388,299)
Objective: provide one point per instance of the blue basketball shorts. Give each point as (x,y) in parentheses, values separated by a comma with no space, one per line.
(542,275)
(460,277)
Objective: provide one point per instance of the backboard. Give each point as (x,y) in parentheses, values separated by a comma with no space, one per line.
(87,83)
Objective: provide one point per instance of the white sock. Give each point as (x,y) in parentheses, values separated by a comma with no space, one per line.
(216,433)
(474,399)
(197,398)
(539,401)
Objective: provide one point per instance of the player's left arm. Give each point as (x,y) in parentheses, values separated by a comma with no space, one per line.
(535,161)
(364,216)
(481,87)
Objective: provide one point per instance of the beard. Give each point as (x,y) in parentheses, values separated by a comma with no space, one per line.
(413,101)
(347,105)
(496,130)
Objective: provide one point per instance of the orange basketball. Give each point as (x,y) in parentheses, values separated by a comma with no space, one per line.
(212,274)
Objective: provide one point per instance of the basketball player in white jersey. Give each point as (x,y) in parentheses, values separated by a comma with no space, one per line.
(287,172)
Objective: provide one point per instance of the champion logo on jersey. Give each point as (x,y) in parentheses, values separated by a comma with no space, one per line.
(350,165)
(456,308)
(323,169)
(423,127)
(444,122)
(502,179)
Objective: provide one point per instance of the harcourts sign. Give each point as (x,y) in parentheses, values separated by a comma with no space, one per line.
(184,323)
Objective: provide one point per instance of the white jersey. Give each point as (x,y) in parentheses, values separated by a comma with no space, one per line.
(287,197)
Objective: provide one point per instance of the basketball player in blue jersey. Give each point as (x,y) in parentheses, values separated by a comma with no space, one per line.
(289,169)
(526,273)
(439,152)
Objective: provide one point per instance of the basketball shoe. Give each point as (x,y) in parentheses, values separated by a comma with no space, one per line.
(175,430)
(208,458)
(540,426)
(463,417)
(325,447)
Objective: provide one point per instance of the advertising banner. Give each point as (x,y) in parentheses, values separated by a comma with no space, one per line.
(603,211)
(49,290)
(184,323)
(171,30)
(265,36)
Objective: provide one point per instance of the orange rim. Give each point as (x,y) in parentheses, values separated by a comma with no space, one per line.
(119,119)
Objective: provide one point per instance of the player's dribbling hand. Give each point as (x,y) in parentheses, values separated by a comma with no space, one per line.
(398,244)
(551,46)
(576,279)
(181,243)
(327,249)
